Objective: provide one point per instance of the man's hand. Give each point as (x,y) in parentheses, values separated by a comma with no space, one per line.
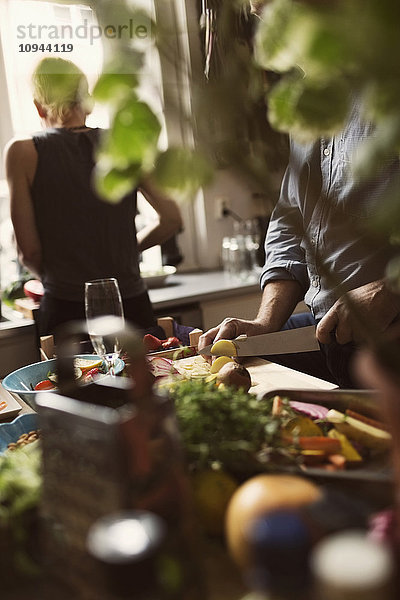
(231,328)
(277,303)
(371,306)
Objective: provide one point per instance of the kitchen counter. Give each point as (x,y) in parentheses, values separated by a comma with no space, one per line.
(197,287)
(193,299)
(204,299)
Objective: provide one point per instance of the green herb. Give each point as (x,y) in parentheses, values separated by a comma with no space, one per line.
(20,481)
(225,425)
(20,488)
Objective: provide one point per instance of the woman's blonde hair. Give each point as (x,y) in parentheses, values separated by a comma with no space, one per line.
(59,85)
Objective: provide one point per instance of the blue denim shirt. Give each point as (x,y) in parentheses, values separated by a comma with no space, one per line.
(318,230)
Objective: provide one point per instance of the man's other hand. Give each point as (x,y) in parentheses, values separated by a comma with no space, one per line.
(367,309)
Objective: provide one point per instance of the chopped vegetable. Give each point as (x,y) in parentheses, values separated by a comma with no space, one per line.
(303,426)
(171,342)
(324,444)
(314,411)
(367,435)
(226,424)
(46,384)
(348,450)
(161,366)
(219,362)
(151,343)
(224,348)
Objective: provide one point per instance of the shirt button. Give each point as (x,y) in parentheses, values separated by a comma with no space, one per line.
(313,241)
(314,283)
(327,151)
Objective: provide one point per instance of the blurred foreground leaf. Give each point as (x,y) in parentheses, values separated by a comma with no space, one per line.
(182,171)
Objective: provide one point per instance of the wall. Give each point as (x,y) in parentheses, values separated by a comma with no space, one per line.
(18,346)
(239,198)
(201,243)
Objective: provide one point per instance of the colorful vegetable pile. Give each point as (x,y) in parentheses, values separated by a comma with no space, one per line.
(229,426)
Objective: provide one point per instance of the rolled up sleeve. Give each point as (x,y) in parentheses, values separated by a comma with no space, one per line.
(284,255)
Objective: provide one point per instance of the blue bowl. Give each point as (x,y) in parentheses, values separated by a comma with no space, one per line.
(24,379)
(10,432)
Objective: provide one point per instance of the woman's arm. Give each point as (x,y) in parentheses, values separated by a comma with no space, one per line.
(168,223)
(20,164)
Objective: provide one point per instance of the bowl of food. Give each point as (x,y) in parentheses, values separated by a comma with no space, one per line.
(19,432)
(42,376)
(155,278)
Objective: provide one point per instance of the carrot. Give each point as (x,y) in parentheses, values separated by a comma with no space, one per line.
(313,457)
(322,443)
(367,420)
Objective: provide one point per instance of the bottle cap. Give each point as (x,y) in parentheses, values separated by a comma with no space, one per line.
(351,561)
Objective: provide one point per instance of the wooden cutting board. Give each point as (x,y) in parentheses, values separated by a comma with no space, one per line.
(268,376)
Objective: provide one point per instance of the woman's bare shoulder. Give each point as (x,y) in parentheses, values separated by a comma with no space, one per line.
(20,146)
(21,152)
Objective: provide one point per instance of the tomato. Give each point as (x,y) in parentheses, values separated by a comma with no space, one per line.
(171,342)
(151,343)
(46,384)
(90,374)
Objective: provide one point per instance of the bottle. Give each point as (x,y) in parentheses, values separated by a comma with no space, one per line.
(280,544)
(350,566)
(127,548)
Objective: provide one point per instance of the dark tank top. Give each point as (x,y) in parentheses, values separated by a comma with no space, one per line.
(82,237)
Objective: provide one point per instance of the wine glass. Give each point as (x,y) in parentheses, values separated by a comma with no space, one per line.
(104,318)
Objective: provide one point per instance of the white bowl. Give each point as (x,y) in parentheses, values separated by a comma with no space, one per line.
(157,277)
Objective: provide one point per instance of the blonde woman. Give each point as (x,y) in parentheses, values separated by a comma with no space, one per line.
(65,234)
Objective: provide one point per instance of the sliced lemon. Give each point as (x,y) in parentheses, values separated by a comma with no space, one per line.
(85,364)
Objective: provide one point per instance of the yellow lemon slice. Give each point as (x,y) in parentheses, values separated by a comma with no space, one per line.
(85,364)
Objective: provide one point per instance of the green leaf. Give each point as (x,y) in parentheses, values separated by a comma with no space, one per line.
(112,184)
(133,136)
(112,87)
(182,170)
(275,48)
(308,109)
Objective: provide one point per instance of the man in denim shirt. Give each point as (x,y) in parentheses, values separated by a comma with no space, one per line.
(318,248)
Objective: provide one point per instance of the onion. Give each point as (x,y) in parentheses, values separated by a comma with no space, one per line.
(314,411)
(161,366)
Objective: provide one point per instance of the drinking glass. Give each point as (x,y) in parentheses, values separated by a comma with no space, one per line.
(104,318)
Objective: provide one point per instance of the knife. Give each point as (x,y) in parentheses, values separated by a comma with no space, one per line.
(289,341)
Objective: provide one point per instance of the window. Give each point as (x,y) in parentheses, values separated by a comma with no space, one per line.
(166,86)
(28,22)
